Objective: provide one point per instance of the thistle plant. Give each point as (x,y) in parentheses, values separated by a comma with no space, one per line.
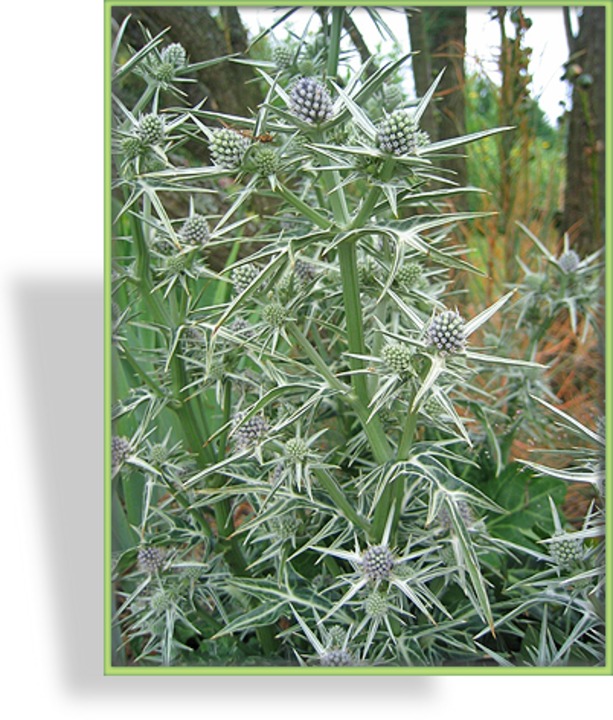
(300,423)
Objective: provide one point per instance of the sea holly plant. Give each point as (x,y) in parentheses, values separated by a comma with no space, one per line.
(297,475)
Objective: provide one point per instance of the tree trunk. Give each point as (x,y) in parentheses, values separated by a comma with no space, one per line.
(584,201)
(228,87)
(439,34)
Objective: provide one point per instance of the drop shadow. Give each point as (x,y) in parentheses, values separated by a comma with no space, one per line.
(61,345)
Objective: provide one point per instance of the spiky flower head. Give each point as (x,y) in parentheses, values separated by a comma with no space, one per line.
(150,559)
(151,129)
(164,72)
(193,335)
(432,407)
(376,604)
(398,357)
(120,450)
(175,55)
(409,274)
(161,601)
(336,637)
(243,276)
(266,160)
(296,449)
(304,272)
(567,550)
(274,314)
(569,261)
(228,148)
(283,56)
(447,332)
(131,147)
(377,563)
(195,230)
(240,326)
(176,264)
(284,527)
(399,134)
(367,271)
(536,282)
(310,101)
(465,512)
(159,454)
(250,432)
(337,658)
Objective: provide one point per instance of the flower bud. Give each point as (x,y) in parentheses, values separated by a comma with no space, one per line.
(568,261)
(398,357)
(228,148)
(399,134)
(337,658)
(151,129)
(566,551)
(195,230)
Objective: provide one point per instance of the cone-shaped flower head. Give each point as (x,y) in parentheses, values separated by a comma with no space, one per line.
(409,274)
(447,332)
(250,432)
(161,601)
(176,264)
(399,134)
(174,55)
(228,148)
(310,101)
(266,160)
(397,357)
(378,563)
(151,129)
(283,56)
(569,261)
(120,449)
(275,314)
(567,550)
(296,449)
(131,147)
(150,559)
(376,604)
(337,658)
(195,230)
(243,276)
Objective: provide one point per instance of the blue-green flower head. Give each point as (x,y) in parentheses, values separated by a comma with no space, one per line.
(228,148)
(310,101)
(399,134)
(447,333)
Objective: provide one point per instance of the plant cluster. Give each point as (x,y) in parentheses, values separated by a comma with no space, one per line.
(312,447)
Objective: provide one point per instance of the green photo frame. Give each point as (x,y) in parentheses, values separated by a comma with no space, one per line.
(355,378)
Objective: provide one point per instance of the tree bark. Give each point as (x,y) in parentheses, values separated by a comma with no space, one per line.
(584,200)
(439,34)
(228,87)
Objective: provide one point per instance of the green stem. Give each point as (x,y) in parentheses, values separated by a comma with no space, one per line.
(374,431)
(137,369)
(340,499)
(334,41)
(408,433)
(374,194)
(303,208)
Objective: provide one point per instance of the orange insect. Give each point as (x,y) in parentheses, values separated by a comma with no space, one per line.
(263,138)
